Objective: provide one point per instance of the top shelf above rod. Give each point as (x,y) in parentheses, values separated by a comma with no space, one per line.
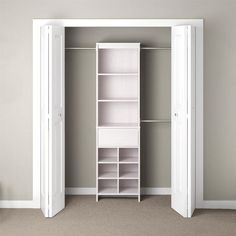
(142,48)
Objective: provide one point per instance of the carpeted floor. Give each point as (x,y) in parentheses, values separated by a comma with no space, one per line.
(83,216)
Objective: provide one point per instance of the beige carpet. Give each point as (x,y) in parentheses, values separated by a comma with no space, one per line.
(83,216)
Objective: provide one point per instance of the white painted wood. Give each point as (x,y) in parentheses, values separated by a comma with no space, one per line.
(113,113)
(36,113)
(123,46)
(118,105)
(44,170)
(198,23)
(52,120)
(124,137)
(179,126)
(191,121)
(56,120)
(18,204)
(119,22)
(199,115)
(118,87)
(183,120)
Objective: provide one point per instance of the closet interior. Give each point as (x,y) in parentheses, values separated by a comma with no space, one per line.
(132,94)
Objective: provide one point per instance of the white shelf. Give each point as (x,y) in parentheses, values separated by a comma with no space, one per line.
(128,190)
(107,190)
(108,175)
(119,125)
(107,160)
(117,46)
(128,160)
(128,175)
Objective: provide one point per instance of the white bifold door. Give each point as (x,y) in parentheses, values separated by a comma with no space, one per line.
(52,120)
(183,120)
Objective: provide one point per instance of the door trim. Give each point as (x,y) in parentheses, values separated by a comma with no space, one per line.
(197,23)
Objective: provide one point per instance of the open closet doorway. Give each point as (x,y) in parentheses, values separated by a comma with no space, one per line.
(179,55)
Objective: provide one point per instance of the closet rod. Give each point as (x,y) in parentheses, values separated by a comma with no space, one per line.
(153,48)
(156,121)
(76,48)
(143,48)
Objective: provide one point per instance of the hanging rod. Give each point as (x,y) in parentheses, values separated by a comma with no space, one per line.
(142,48)
(153,48)
(156,121)
(76,48)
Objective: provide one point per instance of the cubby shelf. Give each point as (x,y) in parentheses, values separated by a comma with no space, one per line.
(118,119)
(107,190)
(128,191)
(119,125)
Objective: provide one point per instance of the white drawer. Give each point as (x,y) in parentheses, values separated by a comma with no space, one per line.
(118,137)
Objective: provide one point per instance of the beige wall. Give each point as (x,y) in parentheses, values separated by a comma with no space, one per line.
(16,82)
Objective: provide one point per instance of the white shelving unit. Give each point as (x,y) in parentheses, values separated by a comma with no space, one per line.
(118,119)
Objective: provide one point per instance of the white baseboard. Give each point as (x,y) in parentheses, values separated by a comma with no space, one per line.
(156,191)
(205,204)
(211,204)
(92,191)
(18,204)
(80,191)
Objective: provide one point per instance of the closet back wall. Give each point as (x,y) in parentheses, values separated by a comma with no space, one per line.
(80,103)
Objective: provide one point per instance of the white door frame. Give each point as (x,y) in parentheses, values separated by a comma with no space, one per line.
(197,23)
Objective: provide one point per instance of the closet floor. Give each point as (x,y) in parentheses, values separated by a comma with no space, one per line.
(122,216)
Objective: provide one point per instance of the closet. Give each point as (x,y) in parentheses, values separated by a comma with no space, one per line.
(122,111)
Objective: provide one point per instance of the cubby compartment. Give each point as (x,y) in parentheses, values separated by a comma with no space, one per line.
(128,171)
(107,171)
(118,87)
(128,186)
(107,186)
(128,155)
(118,114)
(107,155)
(118,60)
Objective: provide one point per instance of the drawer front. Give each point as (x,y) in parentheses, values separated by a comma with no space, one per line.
(118,137)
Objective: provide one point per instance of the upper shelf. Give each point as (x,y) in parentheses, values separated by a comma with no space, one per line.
(118,45)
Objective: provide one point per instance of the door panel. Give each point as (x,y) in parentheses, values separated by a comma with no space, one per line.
(55,161)
(44,135)
(56,121)
(181,172)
